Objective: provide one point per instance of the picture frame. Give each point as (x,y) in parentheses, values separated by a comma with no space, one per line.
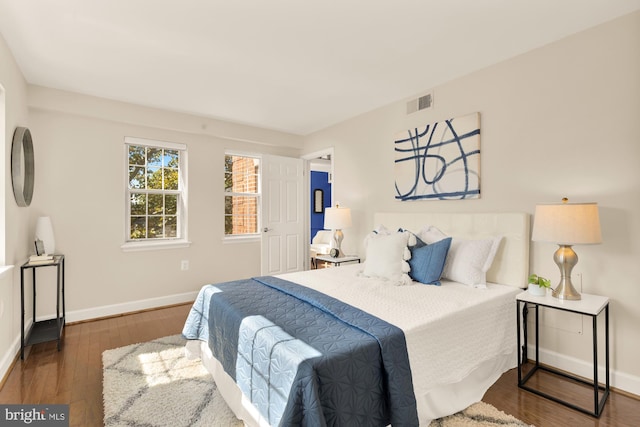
(318,201)
(39,247)
(439,160)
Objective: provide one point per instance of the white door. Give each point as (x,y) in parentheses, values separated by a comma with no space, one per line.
(282,215)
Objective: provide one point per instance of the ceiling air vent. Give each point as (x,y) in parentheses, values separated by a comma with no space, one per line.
(421,103)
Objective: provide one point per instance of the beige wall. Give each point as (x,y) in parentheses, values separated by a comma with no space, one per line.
(563,120)
(80,178)
(16,220)
(80,184)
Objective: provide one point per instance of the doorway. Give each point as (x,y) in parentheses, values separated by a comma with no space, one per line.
(320,184)
(320,192)
(320,167)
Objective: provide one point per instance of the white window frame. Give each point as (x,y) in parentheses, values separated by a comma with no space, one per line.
(242,238)
(160,243)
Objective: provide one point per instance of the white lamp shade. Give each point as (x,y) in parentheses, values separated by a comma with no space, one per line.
(44,232)
(337,218)
(567,224)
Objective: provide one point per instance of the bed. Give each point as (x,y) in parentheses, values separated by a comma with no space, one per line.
(384,352)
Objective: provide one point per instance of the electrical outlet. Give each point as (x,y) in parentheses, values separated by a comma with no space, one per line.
(184,265)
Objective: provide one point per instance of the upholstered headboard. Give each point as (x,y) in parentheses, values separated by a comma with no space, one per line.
(511,264)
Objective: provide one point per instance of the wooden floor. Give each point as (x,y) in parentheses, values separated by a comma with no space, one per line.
(74,375)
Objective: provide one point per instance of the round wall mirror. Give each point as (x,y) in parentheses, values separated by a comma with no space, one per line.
(22,166)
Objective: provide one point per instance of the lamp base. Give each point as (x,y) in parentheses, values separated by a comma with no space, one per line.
(566,291)
(565,258)
(336,241)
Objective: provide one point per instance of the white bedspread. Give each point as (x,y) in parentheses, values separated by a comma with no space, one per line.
(452,331)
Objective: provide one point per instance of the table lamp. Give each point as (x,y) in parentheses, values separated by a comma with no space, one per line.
(566,224)
(336,219)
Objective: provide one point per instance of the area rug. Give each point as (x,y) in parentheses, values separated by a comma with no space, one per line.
(154,384)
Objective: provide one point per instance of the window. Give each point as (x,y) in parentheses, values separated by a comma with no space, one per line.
(156,193)
(241,195)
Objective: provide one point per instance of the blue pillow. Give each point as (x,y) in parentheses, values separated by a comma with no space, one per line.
(427,262)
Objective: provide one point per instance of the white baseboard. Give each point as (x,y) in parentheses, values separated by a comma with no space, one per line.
(93,313)
(8,357)
(127,307)
(619,380)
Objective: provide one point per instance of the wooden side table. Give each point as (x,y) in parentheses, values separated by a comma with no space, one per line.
(45,330)
(589,305)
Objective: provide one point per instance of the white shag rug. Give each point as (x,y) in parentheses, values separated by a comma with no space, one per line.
(153,384)
(479,414)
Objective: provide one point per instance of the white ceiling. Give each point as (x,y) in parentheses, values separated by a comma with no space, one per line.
(291,65)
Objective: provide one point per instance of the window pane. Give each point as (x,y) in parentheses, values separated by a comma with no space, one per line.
(154,157)
(156,204)
(154,178)
(171,226)
(136,155)
(241,214)
(228,181)
(228,163)
(138,204)
(228,224)
(244,224)
(171,179)
(239,183)
(136,177)
(138,227)
(171,158)
(171,204)
(241,174)
(155,227)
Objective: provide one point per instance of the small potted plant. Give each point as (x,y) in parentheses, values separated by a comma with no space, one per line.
(538,285)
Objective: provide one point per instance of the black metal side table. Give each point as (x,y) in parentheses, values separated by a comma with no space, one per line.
(45,330)
(589,305)
(337,261)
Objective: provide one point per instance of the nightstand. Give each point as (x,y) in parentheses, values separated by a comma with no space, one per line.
(589,305)
(44,330)
(337,261)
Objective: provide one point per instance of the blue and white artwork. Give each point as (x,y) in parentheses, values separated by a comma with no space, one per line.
(440,161)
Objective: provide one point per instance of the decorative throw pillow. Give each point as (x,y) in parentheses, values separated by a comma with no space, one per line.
(386,257)
(414,241)
(469,260)
(380,230)
(427,261)
(431,234)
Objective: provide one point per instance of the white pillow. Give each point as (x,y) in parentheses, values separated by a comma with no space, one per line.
(469,260)
(380,230)
(386,257)
(430,234)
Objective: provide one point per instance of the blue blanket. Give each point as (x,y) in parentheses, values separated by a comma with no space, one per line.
(304,358)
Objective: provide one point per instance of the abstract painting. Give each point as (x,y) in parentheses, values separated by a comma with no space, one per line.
(440,161)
